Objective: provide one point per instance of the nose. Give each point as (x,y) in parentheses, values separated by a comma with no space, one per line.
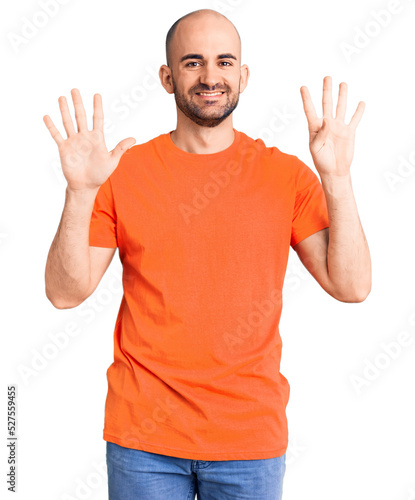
(210,75)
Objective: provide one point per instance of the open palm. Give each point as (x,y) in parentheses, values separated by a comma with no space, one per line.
(331,139)
(86,162)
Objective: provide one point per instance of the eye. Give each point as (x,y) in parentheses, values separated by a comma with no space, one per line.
(193,62)
(226,62)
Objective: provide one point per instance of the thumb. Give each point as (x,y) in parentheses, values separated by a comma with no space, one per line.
(122,147)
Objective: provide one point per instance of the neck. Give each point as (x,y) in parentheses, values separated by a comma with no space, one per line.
(194,138)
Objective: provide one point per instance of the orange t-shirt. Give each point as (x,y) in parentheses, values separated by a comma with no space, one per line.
(204,242)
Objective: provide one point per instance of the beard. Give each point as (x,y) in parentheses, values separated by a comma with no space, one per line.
(208,113)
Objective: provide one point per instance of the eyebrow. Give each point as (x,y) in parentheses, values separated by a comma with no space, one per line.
(199,56)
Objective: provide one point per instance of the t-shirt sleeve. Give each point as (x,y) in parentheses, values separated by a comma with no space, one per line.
(103,226)
(310,209)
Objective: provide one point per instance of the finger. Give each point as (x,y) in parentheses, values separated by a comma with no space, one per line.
(54,132)
(98,117)
(80,114)
(342,101)
(354,122)
(308,105)
(327,98)
(66,116)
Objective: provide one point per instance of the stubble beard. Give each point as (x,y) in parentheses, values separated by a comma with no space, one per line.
(203,115)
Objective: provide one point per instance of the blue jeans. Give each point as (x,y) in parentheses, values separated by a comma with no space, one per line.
(141,475)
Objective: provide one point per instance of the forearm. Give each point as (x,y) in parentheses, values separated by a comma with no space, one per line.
(67,273)
(348,257)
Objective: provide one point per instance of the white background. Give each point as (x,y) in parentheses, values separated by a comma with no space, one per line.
(345,442)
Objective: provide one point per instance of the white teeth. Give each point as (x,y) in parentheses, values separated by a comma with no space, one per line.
(216,93)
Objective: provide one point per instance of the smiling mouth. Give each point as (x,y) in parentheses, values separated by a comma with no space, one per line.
(209,94)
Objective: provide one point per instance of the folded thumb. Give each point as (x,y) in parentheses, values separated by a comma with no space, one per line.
(324,129)
(122,147)
(321,136)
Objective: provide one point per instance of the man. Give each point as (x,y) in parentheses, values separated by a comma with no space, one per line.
(203,217)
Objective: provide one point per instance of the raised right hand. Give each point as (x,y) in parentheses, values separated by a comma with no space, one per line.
(86,162)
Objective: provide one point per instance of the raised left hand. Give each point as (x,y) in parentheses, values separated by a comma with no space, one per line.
(331,139)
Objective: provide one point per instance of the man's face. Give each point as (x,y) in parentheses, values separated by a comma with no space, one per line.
(206,110)
(205,69)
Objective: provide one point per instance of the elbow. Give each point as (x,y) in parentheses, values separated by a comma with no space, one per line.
(353,295)
(358,297)
(364,294)
(60,303)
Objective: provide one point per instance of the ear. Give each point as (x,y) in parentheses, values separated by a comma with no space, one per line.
(244,78)
(165,78)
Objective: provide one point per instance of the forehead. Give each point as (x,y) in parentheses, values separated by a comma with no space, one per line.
(208,36)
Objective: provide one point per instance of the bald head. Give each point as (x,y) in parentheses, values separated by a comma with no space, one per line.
(193,17)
